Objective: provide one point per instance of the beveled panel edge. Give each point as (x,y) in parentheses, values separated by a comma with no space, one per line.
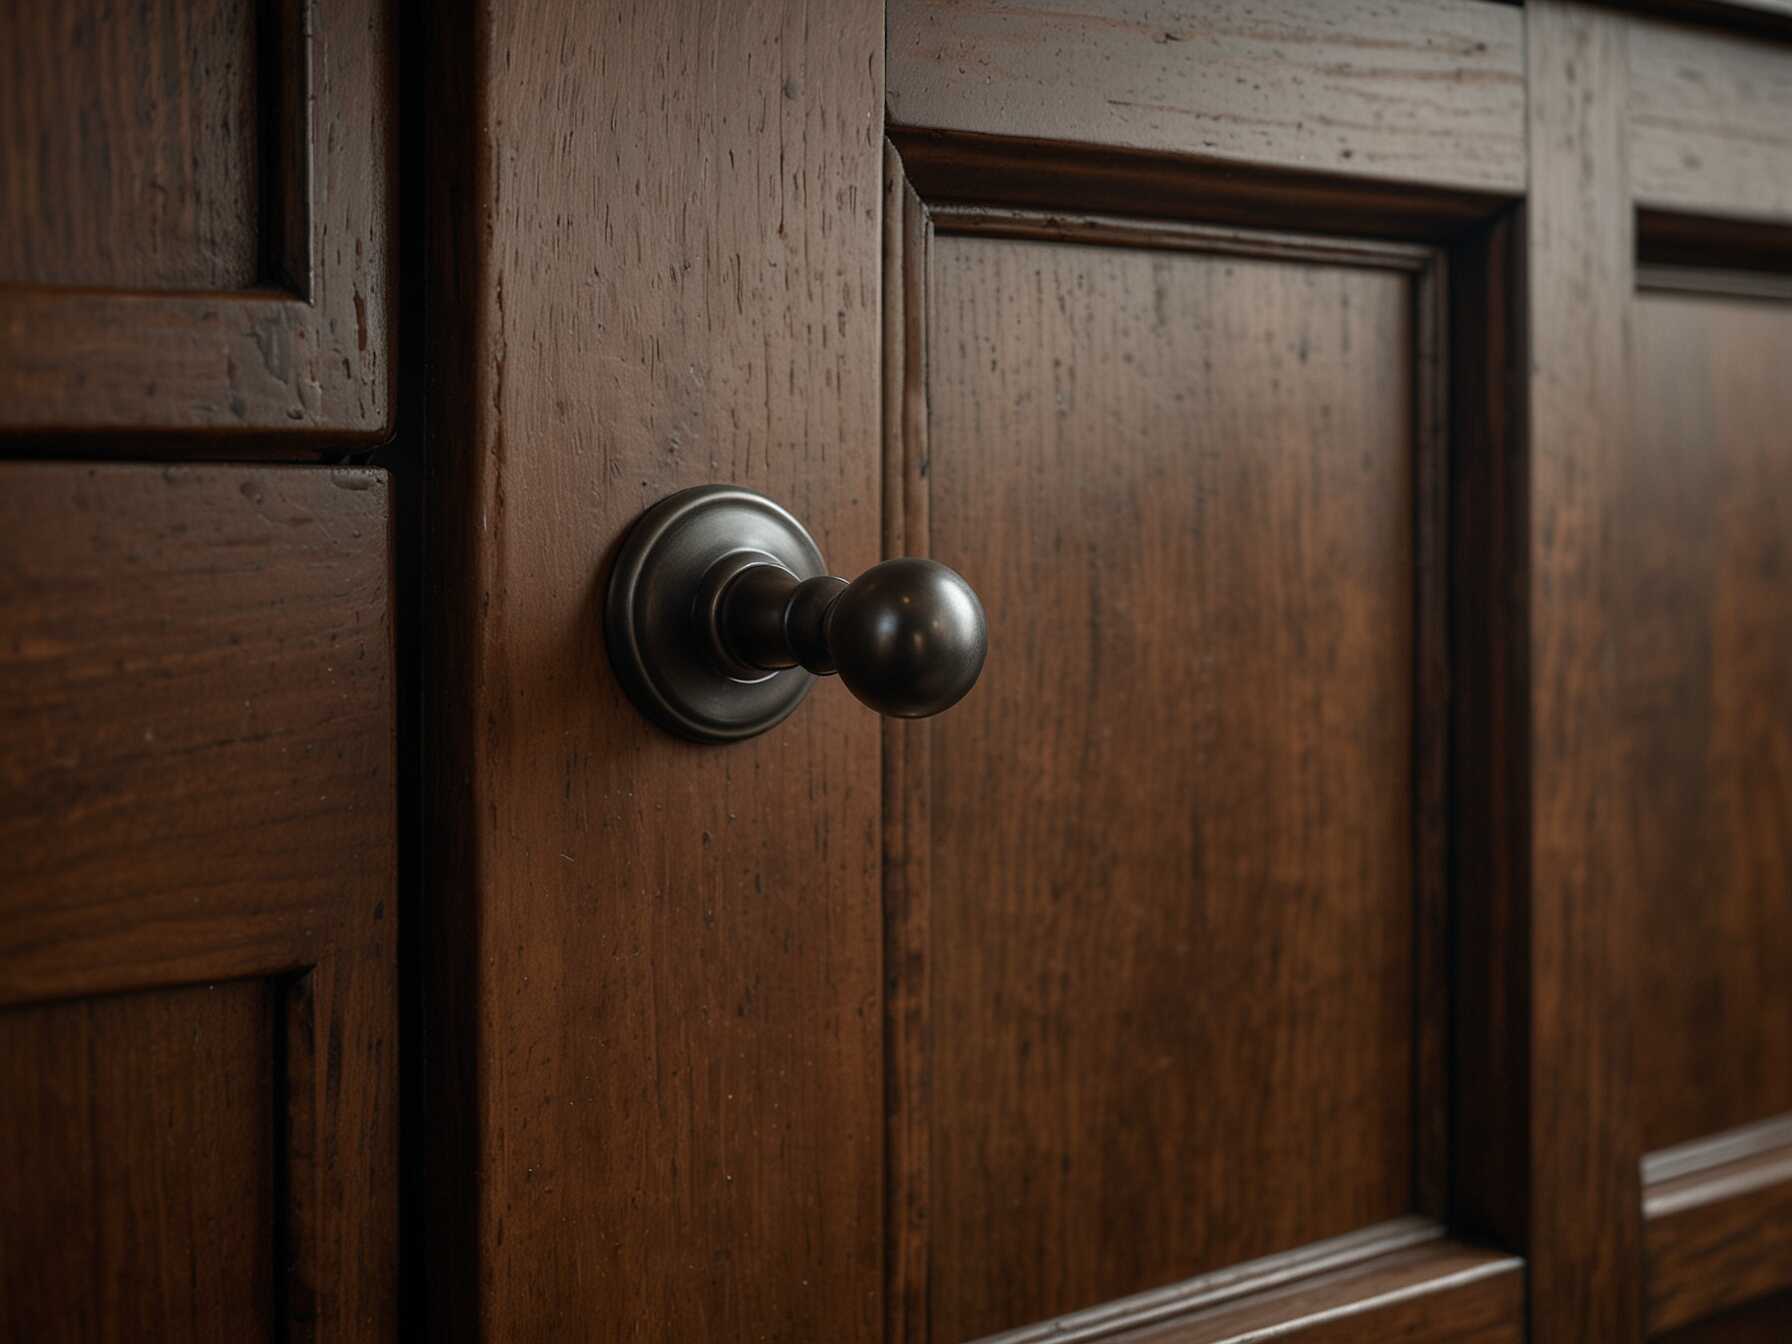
(1713,283)
(1715,1150)
(1226,1285)
(277,949)
(1447,1292)
(985,170)
(957,219)
(1718,1225)
(1302,1271)
(1414,231)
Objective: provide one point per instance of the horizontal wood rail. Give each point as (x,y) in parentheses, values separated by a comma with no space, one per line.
(1222,83)
(1718,1216)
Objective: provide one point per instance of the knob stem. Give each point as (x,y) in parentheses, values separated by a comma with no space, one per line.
(767,619)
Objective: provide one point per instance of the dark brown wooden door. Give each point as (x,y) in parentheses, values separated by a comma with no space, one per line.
(1353,905)
(1348,906)
(199,1085)
(1182,958)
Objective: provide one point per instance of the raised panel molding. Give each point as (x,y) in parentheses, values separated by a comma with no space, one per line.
(196,791)
(269,313)
(1718,1223)
(139,165)
(917,227)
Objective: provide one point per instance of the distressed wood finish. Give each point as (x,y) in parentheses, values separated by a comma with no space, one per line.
(138,165)
(658,969)
(1428,93)
(146,1122)
(1708,517)
(196,786)
(1582,1232)
(197,670)
(243,286)
(1711,122)
(1173,782)
(1719,1225)
(1768,1321)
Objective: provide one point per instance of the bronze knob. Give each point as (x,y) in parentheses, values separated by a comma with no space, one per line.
(721,613)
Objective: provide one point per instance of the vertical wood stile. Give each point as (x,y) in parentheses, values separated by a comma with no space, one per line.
(1584,1230)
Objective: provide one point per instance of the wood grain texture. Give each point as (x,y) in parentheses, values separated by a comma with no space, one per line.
(1718,1236)
(658,974)
(1442,1293)
(1709,517)
(1767,1321)
(308,353)
(1710,122)
(1583,1239)
(138,1137)
(196,785)
(1407,91)
(137,164)
(907,793)
(197,729)
(1185,783)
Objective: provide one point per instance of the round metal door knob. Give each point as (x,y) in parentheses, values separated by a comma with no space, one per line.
(720,614)
(908,637)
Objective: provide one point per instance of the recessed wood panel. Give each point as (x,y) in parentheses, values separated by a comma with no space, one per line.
(138,1138)
(1708,532)
(1173,832)
(196,784)
(1718,1223)
(195,207)
(137,164)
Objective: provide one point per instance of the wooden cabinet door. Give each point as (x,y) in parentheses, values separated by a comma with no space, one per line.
(1197,430)
(1293,934)
(1353,904)
(199,1086)
(1705,619)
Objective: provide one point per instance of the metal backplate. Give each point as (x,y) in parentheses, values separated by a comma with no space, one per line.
(657,641)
